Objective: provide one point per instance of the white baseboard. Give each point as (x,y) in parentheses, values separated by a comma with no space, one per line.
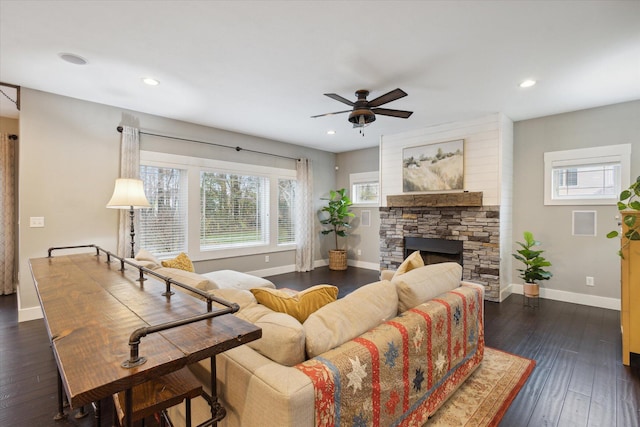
(273,271)
(557,295)
(30,313)
(363,264)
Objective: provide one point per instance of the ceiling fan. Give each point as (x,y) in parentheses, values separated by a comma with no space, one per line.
(364,112)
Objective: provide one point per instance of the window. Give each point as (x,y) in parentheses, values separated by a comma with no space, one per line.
(286,211)
(163,225)
(233,210)
(214,209)
(588,176)
(365,188)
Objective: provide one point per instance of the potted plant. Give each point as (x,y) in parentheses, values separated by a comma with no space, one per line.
(338,209)
(629,202)
(533,270)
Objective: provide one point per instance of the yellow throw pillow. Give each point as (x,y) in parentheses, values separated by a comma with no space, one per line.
(181,262)
(299,305)
(413,261)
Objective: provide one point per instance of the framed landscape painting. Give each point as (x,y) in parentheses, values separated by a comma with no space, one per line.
(433,167)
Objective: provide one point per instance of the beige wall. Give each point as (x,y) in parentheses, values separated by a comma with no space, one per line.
(363,239)
(573,257)
(69,160)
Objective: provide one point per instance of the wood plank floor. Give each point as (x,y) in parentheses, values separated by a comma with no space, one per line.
(579,379)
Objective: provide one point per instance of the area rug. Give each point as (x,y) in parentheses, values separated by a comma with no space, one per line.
(485,396)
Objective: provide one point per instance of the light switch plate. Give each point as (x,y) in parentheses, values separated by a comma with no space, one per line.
(36,222)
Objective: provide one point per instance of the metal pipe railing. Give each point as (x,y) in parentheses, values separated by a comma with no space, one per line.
(134,340)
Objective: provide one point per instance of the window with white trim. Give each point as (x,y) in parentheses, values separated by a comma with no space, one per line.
(163,226)
(586,176)
(234,210)
(227,208)
(365,188)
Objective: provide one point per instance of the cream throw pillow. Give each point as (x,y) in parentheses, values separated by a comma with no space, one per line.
(297,304)
(422,284)
(349,317)
(412,262)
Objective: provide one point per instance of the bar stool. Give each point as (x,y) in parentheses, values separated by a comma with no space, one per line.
(159,394)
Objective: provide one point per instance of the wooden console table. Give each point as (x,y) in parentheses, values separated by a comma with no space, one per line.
(92,304)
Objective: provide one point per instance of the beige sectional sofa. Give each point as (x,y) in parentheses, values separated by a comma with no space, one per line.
(221,279)
(389,353)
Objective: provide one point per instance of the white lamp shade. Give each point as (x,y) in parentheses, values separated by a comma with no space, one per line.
(128,193)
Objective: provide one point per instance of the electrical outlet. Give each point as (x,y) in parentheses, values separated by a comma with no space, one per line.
(359,252)
(266,258)
(36,221)
(590,281)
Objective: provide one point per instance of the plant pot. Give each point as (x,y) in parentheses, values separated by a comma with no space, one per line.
(531,290)
(337,259)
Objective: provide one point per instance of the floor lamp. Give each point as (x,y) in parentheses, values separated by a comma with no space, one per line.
(129,194)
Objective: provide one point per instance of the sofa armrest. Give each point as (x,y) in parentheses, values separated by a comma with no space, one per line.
(254,389)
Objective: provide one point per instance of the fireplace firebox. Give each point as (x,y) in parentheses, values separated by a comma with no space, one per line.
(434,251)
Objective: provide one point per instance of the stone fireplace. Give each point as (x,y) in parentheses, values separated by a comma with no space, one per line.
(460,220)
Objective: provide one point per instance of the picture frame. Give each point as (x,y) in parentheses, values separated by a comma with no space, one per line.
(433,167)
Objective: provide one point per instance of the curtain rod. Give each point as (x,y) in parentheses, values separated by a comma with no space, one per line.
(119,129)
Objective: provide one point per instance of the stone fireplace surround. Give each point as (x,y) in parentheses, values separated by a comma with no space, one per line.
(478,227)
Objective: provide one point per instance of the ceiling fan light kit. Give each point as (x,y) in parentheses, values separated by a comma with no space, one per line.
(364,112)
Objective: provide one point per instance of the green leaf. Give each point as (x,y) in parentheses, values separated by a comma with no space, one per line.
(622,206)
(625,194)
(635,205)
(612,234)
(630,220)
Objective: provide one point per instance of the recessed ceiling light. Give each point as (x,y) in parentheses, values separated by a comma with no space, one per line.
(72,58)
(149,81)
(528,83)
(331,132)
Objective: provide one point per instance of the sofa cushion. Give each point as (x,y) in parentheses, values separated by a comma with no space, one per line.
(424,283)
(412,262)
(181,262)
(297,304)
(185,277)
(349,317)
(223,279)
(282,336)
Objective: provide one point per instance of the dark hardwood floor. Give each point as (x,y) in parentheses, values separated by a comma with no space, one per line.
(579,379)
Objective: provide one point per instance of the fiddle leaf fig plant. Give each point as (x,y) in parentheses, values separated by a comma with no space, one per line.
(337,207)
(533,270)
(629,201)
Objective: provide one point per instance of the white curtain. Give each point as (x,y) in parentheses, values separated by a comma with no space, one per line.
(129,168)
(7,215)
(305,218)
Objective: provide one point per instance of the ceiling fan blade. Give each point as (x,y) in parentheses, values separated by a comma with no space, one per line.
(339,98)
(393,113)
(331,114)
(387,97)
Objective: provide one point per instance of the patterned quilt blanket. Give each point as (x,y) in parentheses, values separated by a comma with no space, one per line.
(400,372)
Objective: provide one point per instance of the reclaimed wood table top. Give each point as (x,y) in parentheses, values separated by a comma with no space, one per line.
(91,308)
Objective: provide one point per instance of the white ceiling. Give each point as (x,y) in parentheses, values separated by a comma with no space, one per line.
(261,67)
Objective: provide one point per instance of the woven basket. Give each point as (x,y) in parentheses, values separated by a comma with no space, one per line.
(337,259)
